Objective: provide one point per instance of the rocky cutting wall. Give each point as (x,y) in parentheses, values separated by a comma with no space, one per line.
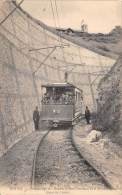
(19,89)
(110,102)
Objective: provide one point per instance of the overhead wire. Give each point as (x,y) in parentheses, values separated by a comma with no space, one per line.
(17,5)
(36,49)
(79,52)
(44,60)
(48,51)
(55,25)
(60,39)
(70,64)
(53,13)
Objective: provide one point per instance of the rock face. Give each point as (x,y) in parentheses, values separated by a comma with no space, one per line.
(109,108)
(19,89)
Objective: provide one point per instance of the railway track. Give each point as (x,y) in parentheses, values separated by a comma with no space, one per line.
(59,165)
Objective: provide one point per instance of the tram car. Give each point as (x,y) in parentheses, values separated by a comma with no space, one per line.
(61,104)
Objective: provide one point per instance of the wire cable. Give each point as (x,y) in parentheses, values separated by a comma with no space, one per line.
(60,39)
(44,60)
(53,13)
(54,18)
(11,12)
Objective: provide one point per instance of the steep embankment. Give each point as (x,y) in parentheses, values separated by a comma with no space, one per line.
(105,44)
(109,116)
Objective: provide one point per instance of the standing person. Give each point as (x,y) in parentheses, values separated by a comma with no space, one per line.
(36,118)
(87,115)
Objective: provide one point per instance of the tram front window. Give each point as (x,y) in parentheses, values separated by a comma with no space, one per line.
(57,96)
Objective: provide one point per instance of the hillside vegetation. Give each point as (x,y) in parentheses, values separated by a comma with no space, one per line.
(105,44)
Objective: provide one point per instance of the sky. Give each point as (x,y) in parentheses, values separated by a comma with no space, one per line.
(100,15)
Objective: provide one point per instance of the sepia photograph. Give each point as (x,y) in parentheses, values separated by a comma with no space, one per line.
(60,97)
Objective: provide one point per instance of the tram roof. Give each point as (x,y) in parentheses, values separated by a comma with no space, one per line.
(58,85)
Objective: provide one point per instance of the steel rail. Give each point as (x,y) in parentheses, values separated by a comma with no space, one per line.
(34,160)
(100,175)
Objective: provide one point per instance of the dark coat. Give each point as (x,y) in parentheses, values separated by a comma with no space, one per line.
(87,114)
(36,115)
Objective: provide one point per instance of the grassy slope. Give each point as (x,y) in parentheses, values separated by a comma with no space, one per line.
(105,44)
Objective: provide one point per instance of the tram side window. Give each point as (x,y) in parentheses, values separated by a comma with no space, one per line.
(78,97)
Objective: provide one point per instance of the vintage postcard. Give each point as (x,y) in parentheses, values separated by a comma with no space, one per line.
(60,97)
